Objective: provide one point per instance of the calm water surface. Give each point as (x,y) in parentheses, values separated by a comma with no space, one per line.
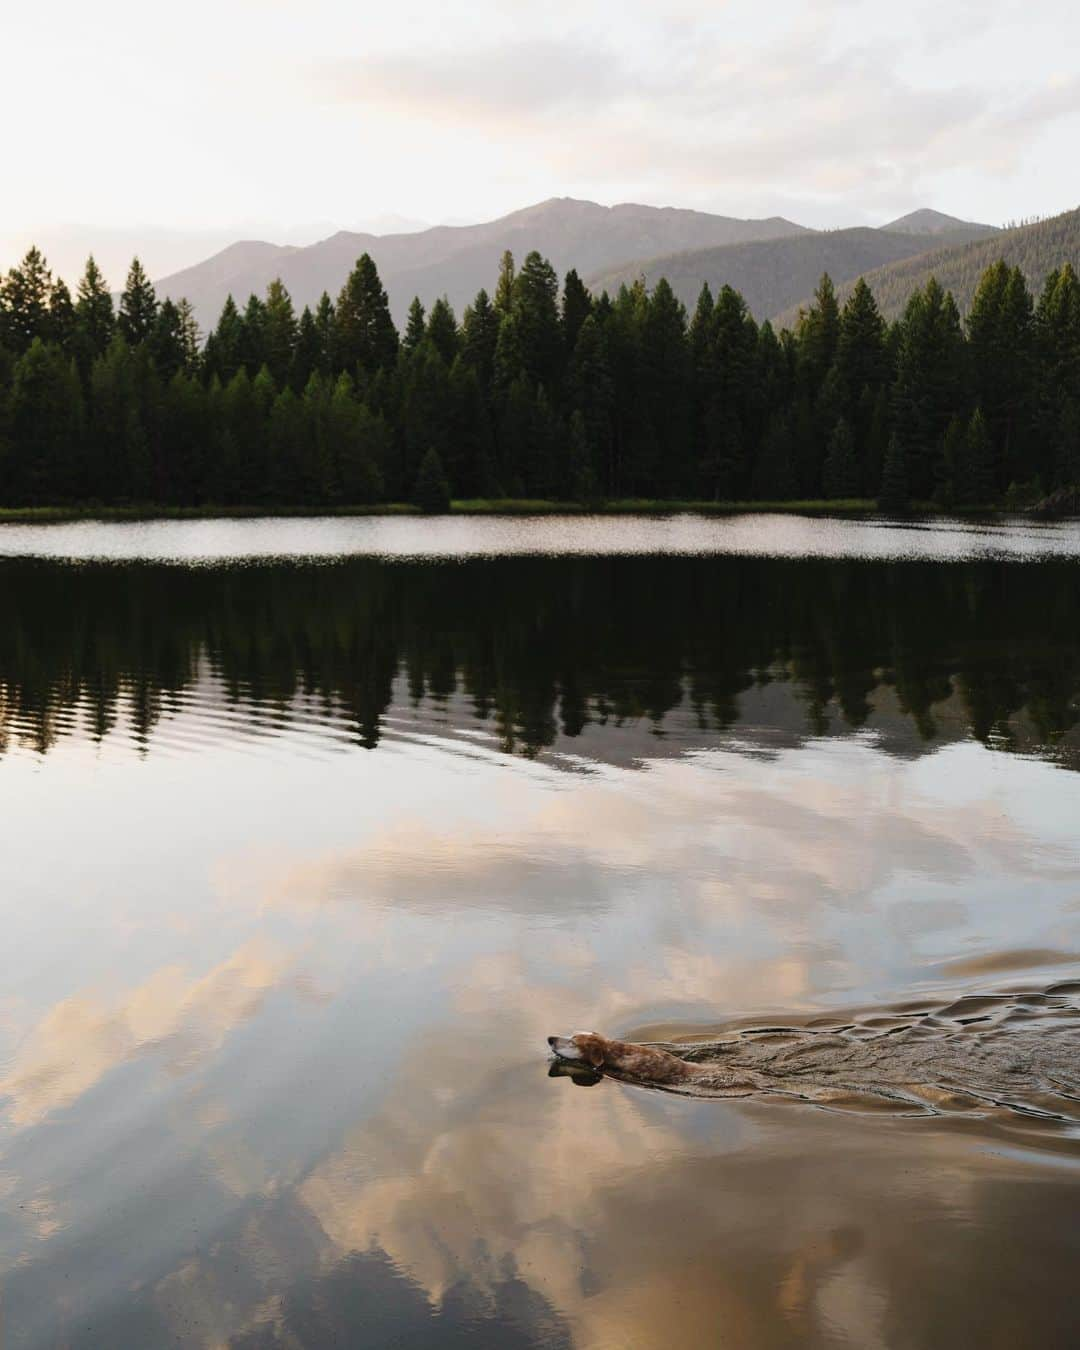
(313,831)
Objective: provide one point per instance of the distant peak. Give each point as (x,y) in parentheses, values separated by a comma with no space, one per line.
(928,221)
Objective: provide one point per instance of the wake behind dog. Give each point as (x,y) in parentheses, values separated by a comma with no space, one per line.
(1017,1051)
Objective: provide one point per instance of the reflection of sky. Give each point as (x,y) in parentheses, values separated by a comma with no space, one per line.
(247,979)
(456,537)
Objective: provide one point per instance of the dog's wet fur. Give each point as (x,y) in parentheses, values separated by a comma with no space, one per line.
(625,1059)
(1017,1052)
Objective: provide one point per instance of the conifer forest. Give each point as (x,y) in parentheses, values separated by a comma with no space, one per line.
(537,391)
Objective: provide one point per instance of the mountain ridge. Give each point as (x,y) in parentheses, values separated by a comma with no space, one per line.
(456,260)
(1035,248)
(771,275)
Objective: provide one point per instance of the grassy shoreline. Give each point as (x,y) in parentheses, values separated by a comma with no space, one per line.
(504,507)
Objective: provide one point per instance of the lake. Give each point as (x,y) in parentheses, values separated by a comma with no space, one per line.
(314,830)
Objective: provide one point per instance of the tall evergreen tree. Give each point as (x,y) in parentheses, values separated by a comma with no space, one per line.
(841,478)
(223,356)
(24,303)
(893,495)
(730,393)
(95,321)
(479,337)
(861,364)
(975,470)
(280,331)
(442,330)
(592,399)
(504,289)
(61,324)
(364,334)
(415,327)
(138,306)
(530,337)
(166,341)
(1000,336)
(930,386)
(576,308)
(252,346)
(46,422)
(666,378)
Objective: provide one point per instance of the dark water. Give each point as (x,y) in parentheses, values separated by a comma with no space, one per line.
(313,831)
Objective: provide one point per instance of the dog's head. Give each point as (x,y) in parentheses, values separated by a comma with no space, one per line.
(586,1048)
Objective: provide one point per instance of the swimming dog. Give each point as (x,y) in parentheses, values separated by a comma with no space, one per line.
(643,1063)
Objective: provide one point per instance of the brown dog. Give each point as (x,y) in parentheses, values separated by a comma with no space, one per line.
(640,1062)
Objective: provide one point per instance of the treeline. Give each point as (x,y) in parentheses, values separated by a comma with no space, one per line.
(537,649)
(536,393)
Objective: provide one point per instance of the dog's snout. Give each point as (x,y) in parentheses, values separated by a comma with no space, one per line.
(551,1041)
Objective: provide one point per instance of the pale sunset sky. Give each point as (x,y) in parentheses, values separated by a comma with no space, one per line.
(175,130)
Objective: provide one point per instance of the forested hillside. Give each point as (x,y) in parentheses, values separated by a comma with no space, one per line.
(534,393)
(770,275)
(1036,249)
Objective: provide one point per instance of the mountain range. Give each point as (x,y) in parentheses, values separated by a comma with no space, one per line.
(775,263)
(456,261)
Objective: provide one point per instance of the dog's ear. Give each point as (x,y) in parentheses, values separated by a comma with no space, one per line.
(593,1046)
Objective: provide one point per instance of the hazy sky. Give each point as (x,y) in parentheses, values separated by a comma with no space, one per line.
(220,118)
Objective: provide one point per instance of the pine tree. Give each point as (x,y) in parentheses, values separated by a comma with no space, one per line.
(364,334)
(819,335)
(893,493)
(24,303)
(592,397)
(951,464)
(138,306)
(294,479)
(184,437)
(190,337)
(667,392)
(774,472)
(280,332)
(61,325)
(46,421)
(361,443)
(479,338)
(95,322)
(442,330)
(432,492)
(975,471)
(415,327)
(861,365)
(841,476)
(576,308)
(252,344)
(326,325)
(530,338)
(930,386)
(166,341)
(425,409)
(112,399)
(470,455)
(223,355)
(730,397)
(504,290)
(1001,338)
(582,477)
(306,352)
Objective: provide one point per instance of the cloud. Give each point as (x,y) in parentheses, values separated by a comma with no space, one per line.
(183,1020)
(711,108)
(514,81)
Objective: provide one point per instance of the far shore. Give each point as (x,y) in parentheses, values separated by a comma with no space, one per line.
(498,507)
